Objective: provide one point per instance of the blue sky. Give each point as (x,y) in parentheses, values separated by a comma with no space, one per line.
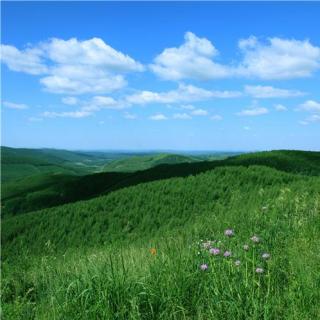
(174,76)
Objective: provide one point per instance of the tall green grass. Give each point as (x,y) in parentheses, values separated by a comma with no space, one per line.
(68,263)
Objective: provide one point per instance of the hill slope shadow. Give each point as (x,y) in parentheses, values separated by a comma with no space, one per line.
(66,190)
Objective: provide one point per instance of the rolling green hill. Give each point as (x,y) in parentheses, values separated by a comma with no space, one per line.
(41,192)
(120,214)
(93,260)
(20,163)
(139,163)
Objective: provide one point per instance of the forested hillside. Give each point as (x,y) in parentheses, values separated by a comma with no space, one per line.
(41,192)
(20,163)
(152,208)
(152,251)
(138,163)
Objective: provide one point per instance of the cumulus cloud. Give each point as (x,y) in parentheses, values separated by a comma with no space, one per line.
(280,107)
(271,92)
(278,58)
(275,58)
(12,105)
(71,101)
(193,60)
(253,111)
(73,66)
(311,106)
(184,93)
(81,80)
(129,116)
(187,107)
(92,52)
(216,117)
(182,116)
(158,117)
(314,118)
(199,112)
(72,114)
(97,103)
(311,119)
(87,107)
(28,60)
(35,119)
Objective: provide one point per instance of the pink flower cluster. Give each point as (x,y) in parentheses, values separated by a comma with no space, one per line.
(214,250)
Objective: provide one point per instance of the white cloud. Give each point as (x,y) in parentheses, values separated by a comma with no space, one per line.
(72,114)
(69,101)
(184,93)
(12,105)
(28,60)
(182,116)
(271,92)
(246,128)
(253,111)
(35,119)
(158,117)
(187,107)
(278,58)
(76,79)
(192,60)
(129,116)
(314,118)
(103,102)
(199,112)
(311,119)
(73,66)
(311,106)
(94,52)
(280,107)
(216,117)
(89,107)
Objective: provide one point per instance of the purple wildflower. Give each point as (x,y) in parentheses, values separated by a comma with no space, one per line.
(246,247)
(214,251)
(265,256)
(204,267)
(259,270)
(229,233)
(237,263)
(227,254)
(255,239)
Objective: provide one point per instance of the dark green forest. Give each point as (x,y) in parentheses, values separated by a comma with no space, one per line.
(42,191)
(136,245)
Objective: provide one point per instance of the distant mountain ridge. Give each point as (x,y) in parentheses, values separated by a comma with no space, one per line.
(23,162)
(32,193)
(137,163)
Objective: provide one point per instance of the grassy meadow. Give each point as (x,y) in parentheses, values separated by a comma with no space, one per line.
(230,239)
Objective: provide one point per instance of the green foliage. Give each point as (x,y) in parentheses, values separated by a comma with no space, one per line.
(91,259)
(60,189)
(147,209)
(302,162)
(21,163)
(148,161)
